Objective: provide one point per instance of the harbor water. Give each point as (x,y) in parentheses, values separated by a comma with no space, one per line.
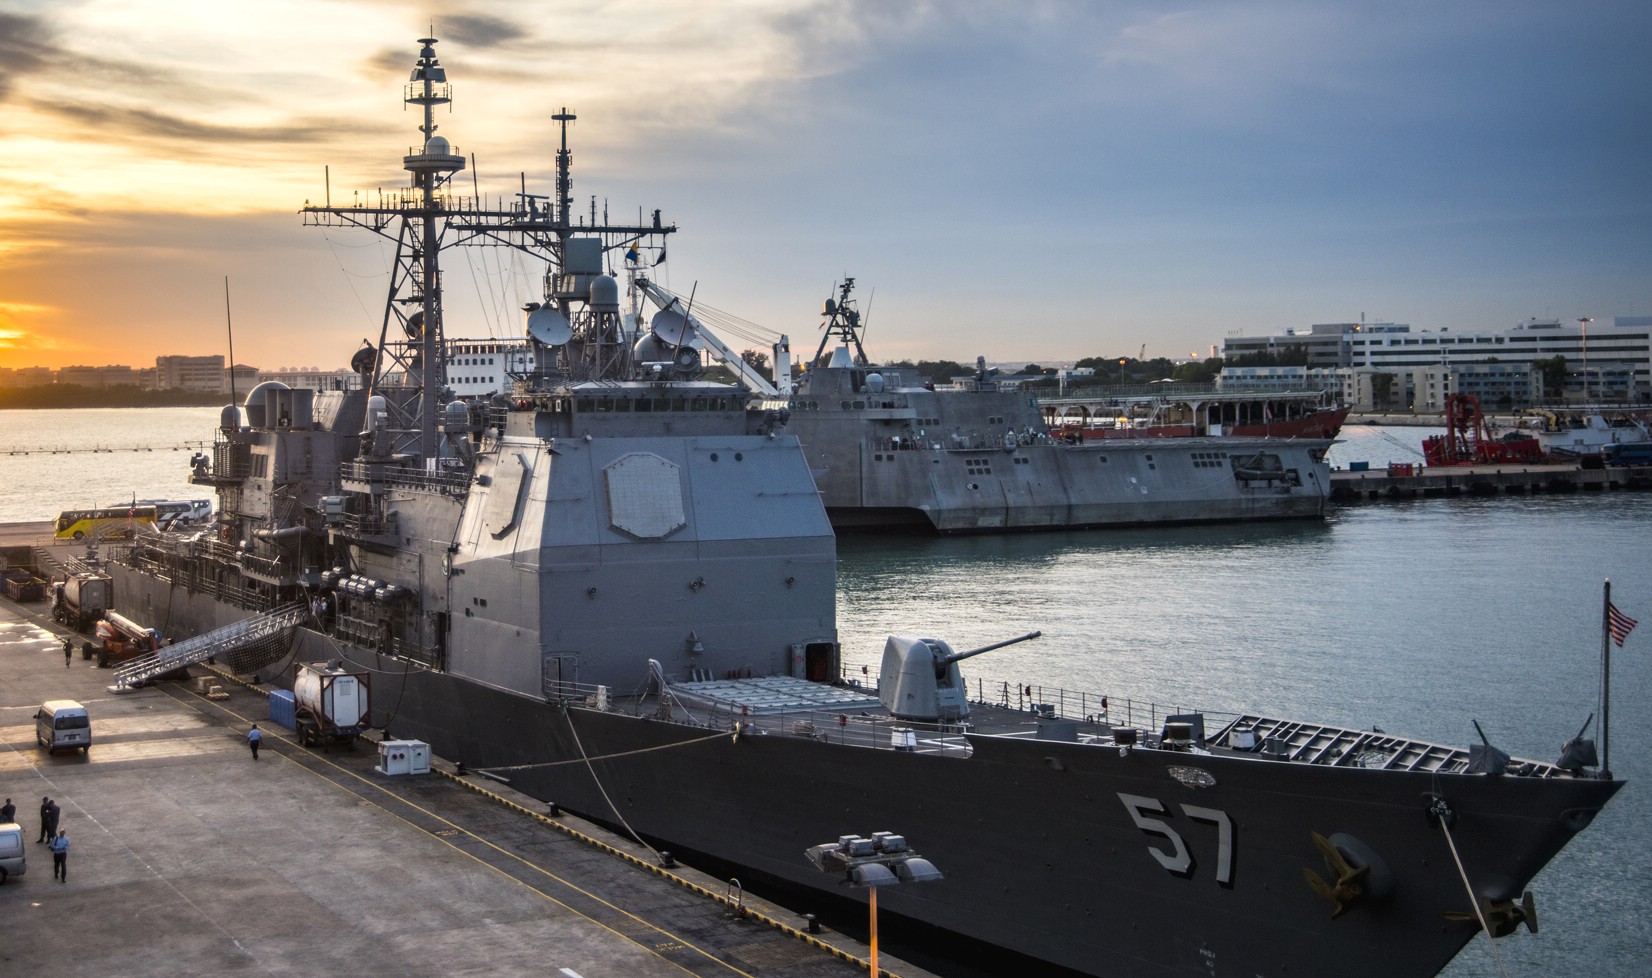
(1419,617)
(53,460)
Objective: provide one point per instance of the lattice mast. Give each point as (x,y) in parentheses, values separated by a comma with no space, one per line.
(418,359)
(575,332)
(582,332)
(842,324)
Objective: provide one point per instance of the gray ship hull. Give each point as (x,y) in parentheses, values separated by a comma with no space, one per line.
(1065,852)
(981,460)
(1053,486)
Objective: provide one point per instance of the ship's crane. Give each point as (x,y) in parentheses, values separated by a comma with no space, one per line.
(734,361)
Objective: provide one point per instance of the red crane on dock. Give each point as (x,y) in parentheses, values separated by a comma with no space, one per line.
(1466,441)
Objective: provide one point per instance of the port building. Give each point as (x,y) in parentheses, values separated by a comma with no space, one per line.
(1390,366)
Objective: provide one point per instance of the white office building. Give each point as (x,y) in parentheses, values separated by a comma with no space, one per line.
(1604,363)
(484,367)
(314,378)
(186,373)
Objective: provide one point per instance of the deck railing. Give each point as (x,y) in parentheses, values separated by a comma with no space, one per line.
(452,482)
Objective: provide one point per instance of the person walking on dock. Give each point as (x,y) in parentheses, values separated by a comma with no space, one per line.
(60,856)
(68,651)
(8,812)
(45,814)
(254,737)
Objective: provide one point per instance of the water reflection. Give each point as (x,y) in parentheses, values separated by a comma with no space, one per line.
(1419,617)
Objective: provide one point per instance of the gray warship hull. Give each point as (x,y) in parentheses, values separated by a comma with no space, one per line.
(869,484)
(1041,853)
(1075,853)
(979,458)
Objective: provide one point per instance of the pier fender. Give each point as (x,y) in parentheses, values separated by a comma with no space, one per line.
(1359,875)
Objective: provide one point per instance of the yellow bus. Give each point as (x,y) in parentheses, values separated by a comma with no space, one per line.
(101,524)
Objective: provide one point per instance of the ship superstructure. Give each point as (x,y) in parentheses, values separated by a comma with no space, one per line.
(613,498)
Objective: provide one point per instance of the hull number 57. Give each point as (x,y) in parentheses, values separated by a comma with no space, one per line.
(1152,817)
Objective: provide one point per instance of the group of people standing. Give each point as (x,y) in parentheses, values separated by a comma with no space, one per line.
(57,839)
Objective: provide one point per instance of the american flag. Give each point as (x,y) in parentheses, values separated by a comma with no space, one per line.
(1618,624)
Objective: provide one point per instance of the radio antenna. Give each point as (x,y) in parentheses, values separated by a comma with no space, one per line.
(230,327)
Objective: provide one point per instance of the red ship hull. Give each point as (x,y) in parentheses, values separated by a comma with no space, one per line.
(1320,424)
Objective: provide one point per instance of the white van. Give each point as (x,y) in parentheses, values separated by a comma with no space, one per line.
(63,724)
(11,850)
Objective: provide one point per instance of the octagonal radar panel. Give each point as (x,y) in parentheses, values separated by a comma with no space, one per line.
(671,327)
(549,326)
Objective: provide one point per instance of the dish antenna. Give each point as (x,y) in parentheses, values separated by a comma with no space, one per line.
(547,325)
(671,327)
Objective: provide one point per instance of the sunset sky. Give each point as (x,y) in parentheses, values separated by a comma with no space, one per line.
(1036,180)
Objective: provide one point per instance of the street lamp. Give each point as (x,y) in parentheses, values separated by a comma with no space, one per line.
(881,860)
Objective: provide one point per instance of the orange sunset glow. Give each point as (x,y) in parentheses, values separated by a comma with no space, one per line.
(1100,175)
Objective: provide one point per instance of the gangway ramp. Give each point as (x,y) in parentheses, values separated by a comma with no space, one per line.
(267,629)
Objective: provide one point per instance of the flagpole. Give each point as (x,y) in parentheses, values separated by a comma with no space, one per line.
(1606,681)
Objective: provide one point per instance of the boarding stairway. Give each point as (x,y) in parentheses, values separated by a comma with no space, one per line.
(269,628)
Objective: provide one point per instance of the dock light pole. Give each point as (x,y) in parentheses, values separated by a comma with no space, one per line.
(1583,324)
(882,860)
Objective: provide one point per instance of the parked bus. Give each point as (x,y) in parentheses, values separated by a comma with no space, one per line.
(173,514)
(99,524)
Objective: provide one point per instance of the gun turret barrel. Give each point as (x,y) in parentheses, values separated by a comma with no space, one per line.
(957,656)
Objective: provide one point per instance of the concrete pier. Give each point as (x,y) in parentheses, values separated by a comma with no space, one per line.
(187,857)
(1406,482)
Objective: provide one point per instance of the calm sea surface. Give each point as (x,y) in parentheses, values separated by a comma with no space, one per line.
(1418,617)
(51,461)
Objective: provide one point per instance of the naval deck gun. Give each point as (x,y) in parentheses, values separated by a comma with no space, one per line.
(919,679)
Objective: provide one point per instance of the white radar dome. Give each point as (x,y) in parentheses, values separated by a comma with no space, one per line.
(438,146)
(604,292)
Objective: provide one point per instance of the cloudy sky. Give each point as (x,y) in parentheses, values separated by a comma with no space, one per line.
(1025,179)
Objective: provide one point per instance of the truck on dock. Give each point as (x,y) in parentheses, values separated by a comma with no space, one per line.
(332,704)
(120,638)
(82,597)
(1631,454)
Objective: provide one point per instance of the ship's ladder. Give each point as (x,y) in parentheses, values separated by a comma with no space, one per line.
(222,641)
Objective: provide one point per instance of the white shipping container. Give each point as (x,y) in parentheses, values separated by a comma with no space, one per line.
(336,696)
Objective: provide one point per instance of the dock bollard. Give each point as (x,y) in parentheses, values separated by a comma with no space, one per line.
(666,861)
(553,809)
(814,925)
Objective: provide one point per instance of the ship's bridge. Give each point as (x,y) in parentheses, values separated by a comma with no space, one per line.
(633,409)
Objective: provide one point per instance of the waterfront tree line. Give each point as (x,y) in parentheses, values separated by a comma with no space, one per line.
(1107,370)
(76,396)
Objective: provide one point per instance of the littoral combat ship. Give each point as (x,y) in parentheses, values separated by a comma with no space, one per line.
(615,588)
(892,451)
